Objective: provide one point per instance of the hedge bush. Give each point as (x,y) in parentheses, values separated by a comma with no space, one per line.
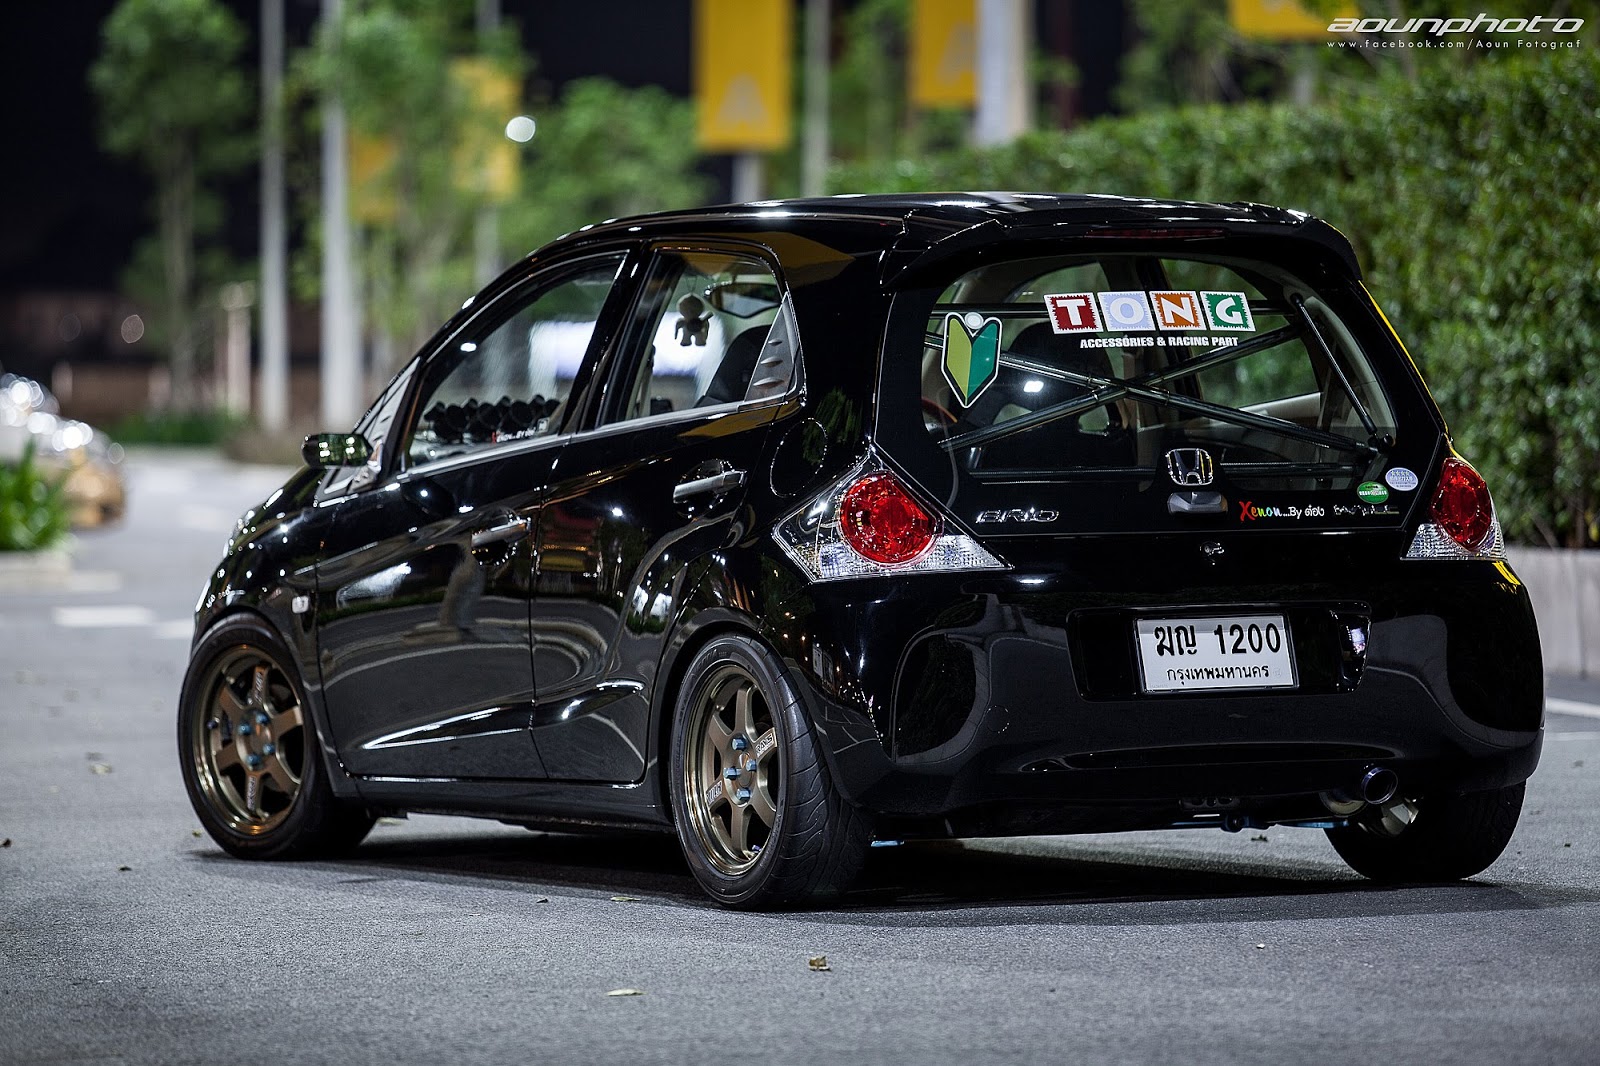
(33,513)
(1473,200)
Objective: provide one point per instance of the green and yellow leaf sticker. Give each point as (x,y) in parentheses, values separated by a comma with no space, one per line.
(971,354)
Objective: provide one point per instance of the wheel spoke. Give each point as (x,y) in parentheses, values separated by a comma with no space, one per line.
(286,780)
(229,702)
(765,748)
(739,828)
(224,753)
(761,802)
(710,772)
(258,686)
(252,794)
(717,731)
(286,719)
(743,721)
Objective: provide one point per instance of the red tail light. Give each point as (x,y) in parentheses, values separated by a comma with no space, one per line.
(1461,506)
(881,521)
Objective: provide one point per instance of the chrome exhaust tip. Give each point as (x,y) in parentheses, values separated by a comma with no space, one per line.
(1378,785)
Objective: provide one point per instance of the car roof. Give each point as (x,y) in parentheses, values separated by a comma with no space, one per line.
(913,222)
(972,208)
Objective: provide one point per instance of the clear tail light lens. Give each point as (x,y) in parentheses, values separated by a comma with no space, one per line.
(1461,520)
(868,523)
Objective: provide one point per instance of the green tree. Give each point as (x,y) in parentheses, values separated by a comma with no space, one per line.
(1470,197)
(396,66)
(604,151)
(173,98)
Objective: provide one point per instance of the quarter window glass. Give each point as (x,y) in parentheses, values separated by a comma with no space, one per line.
(704,335)
(511,380)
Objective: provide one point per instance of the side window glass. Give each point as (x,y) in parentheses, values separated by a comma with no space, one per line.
(511,378)
(375,425)
(711,328)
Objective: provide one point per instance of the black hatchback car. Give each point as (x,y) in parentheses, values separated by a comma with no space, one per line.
(791,525)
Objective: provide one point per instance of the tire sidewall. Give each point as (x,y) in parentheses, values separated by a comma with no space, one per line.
(220,640)
(788,719)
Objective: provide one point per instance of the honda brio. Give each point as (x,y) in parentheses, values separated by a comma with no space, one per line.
(793,525)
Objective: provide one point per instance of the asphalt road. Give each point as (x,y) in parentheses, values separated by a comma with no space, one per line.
(125,936)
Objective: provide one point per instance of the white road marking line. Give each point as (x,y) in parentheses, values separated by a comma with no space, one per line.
(1585,710)
(94,581)
(105,617)
(179,629)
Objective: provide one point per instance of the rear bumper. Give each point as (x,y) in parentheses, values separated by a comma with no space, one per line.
(1448,695)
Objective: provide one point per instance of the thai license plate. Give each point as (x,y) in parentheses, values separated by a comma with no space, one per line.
(1223,652)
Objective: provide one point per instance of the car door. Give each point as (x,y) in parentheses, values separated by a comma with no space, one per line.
(707,358)
(423,593)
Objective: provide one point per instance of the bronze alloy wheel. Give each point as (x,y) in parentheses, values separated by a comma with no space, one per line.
(248,743)
(732,770)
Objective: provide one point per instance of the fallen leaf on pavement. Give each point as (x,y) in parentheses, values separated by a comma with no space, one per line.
(1259,947)
(542,899)
(626,899)
(6,843)
(818,962)
(123,869)
(626,992)
(1259,838)
(100,768)
(194,832)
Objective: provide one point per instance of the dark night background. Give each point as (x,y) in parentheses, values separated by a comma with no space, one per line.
(70,215)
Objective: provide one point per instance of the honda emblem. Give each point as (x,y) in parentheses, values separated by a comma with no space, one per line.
(1190,467)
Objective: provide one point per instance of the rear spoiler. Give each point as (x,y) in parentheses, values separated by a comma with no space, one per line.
(926,240)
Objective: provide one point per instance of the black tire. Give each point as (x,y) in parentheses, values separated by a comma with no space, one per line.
(816,842)
(290,812)
(1450,838)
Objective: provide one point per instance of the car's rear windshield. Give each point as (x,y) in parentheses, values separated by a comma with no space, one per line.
(1080,363)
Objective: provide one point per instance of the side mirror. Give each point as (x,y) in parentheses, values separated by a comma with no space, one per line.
(324,451)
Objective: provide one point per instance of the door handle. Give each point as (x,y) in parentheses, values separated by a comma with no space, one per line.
(499,534)
(707,486)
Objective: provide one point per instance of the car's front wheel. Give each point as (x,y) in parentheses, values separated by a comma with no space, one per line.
(1439,838)
(249,752)
(759,819)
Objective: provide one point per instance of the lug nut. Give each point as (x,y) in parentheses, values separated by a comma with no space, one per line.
(731,772)
(245,729)
(740,743)
(741,794)
(268,749)
(261,717)
(212,723)
(253,760)
(751,766)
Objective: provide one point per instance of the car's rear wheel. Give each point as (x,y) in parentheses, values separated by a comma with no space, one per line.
(757,814)
(248,748)
(1440,838)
